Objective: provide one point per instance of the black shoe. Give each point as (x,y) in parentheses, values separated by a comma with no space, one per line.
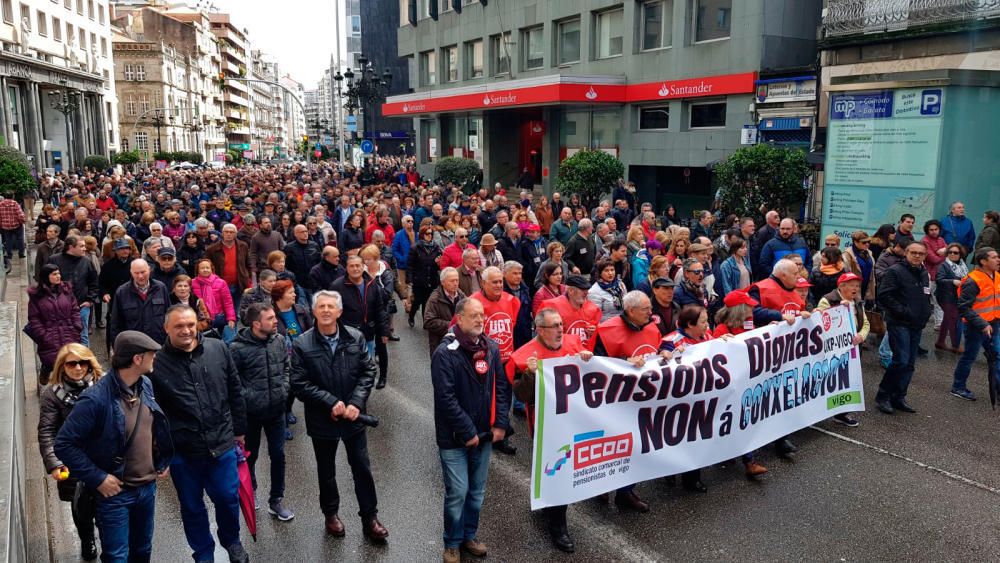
(88,549)
(237,554)
(696,486)
(562,541)
(394,338)
(921,351)
(902,405)
(505,447)
(410,322)
(784,448)
(885,406)
(846,420)
(381,383)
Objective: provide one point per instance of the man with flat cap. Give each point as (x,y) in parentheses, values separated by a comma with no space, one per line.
(579,315)
(121,461)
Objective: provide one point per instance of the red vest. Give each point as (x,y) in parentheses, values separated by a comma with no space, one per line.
(622,342)
(500,316)
(575,321)
(519,359)
(773,296)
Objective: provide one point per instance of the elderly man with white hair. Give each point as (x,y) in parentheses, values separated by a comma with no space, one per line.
(140,304)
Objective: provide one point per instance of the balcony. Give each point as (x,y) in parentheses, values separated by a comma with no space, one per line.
(853,17)
(234,99)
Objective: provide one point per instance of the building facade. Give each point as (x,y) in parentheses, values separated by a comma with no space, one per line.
(909,108)
(234,48)
(380,20)
(294,120)
(665,85)
(57,49)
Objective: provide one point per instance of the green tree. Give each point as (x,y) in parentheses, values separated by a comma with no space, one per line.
(590,174)
(456,170)
(128,158)
(15,174)
(761,177)
(96,162)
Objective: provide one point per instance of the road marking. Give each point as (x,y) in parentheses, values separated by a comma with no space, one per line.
(920,464)
(597,528)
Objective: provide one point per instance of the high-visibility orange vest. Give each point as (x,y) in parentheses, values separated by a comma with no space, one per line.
(987,303)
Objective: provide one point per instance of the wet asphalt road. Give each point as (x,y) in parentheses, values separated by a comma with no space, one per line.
(901,488)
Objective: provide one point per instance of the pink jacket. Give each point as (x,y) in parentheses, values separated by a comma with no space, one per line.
(214,291)
(933,260)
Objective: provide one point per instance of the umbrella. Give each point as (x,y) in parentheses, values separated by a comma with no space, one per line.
(991,371)
(247,500)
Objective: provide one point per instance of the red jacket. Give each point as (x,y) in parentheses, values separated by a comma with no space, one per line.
(452,255)
(575,321)
(500,315)
(534,348)
(373,226)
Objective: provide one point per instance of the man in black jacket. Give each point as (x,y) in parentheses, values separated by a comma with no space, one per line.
(581,251)
(904,294)
(199,389)
(261,359)
(333,374)
(80,271)
(301,255)
(363,306)
(140,304)
(114,273)
(329,270)
(471,401)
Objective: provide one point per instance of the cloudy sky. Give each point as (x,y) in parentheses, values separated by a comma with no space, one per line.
(298,34)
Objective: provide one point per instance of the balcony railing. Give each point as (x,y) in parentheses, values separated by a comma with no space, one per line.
(849,17)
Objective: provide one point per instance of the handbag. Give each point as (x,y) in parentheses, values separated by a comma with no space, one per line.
(876,324)
(219,321)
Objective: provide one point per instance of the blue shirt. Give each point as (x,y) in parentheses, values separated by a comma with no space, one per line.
(292,327)
(332,341)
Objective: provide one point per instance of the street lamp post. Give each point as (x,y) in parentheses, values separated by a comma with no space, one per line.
(364,88)
(159,120)
(66,101)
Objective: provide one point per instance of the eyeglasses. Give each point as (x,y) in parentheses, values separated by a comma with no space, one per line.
(955,252)
(697,272)
(557,325)
(77,363)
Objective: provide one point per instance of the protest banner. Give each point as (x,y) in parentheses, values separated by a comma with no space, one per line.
(604,424)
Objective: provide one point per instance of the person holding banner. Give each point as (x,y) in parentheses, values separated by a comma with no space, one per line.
(471,401)
(665,309)
(551,342)
(848,293)
(978,306)
(579,315)
(630,336)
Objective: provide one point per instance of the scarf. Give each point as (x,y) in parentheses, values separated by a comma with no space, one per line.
(958,269)
(694,290)
(831,269)
(472,346)
(614,288)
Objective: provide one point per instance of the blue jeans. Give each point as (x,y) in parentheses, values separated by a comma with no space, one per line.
(274,430)
(884,351)
(85,317)
(465,471)
(193,477)
(904,342)
(125,522)
(974,341)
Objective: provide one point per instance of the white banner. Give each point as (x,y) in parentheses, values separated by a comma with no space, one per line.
(604,424)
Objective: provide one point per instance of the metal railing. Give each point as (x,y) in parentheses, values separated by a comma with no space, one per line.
(14,538)
(849,17)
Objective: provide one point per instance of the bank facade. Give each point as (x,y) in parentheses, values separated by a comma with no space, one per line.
(668,86)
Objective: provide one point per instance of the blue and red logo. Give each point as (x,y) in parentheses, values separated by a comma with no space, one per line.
(591,448)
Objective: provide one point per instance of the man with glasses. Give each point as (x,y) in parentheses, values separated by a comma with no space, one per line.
(691,290)
(551,342)
(956,227)
(904,293)
(452,255)
(166,268)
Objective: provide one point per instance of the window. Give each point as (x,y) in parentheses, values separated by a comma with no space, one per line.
(568,42)
(26,14)
(8,11)
(129,72)
(68,4)
(141,141)
(83,39)
(655,24)
(609,33)
(355,24)
(90,9)
(144,105)
(500,54)
(706,115)
(43,23)
(428,68)
(534,51)
(93,40)
(56,29)
(474,56)
(424,9)
(130,105)
(712,19)
(450,56)
(100,14)
(124,145)
(156,144)
(104,47)
(79,7)
(69,34)
(654,117)
(140,72)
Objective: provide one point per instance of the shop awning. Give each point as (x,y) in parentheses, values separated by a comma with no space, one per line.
(564,89)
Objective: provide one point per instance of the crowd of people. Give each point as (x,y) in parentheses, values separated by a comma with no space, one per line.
(228,294)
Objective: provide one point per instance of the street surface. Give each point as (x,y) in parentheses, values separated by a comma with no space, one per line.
(903,488)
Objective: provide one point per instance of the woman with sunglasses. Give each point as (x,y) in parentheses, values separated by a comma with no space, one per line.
(424,272)
(76,368)
(858,259)
(948,278)
(53,317)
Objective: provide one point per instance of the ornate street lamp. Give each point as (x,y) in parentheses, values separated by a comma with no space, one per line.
(66,101)
(365,88)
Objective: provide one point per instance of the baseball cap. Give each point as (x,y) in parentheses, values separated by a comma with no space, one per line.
(848,277)
(578,282)
(735,298)
(533,227)
(663,282)
(121,243)
(132,342)
(167,251)
(802,282)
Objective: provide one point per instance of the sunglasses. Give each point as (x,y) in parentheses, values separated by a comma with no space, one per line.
(77,363)
(955,252)
(697,272)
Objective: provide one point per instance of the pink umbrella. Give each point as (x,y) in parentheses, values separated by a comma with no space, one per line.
(247,500)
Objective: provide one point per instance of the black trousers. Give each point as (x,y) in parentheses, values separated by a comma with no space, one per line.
(420,297)
(382,354)
(556,518)
(326,469)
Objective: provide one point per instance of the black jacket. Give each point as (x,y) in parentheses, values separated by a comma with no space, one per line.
(509,249)
(423,270)
(114,273)
(368,315)
(167,278)
(320,379)
(263,366)
(531,259)
(54,405)
(580,253)
(131,312)
(201,393)
(300,258)
(350,239)
(80,271)
(905,297)
(523,323)
(463,399)
(323,275)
